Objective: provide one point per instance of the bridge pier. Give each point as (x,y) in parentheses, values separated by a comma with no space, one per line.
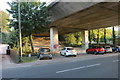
(54,42)
(85,41)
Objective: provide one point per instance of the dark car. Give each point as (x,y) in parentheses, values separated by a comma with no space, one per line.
(116,49)
(95,50)
(44,53)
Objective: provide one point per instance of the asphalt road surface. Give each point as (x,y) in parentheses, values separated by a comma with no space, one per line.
(104,67)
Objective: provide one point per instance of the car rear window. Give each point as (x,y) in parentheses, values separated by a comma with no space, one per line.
(70,48)
(107,47)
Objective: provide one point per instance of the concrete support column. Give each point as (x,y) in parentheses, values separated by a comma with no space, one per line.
(53,38)
(85,41)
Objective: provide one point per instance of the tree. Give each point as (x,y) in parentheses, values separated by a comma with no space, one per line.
(34,18)
(89,33)
(12,40)
(70,39)
(3,20)
(113,31)
(105,36)
(78,37)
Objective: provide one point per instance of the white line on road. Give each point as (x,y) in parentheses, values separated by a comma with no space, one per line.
(115,60)
(77,68)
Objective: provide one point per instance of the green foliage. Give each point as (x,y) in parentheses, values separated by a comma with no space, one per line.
(13,39)
(70,39)
(75,39)
(29,59)
(78,38)
(34,17)
(3,20)
(26,45)
(94,33)
(4,37)
(10,38)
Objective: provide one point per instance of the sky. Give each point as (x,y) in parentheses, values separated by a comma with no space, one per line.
(4,5)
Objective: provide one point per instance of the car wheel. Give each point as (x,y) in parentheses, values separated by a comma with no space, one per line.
(103,53)
(66,55)
(87,52)
(95,53)
(75,55)
(40,58)
(50,58)
(61,54)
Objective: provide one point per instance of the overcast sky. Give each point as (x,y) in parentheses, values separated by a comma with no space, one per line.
(4,5)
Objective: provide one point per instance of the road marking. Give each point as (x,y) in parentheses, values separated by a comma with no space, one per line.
(77,68)
(115,60)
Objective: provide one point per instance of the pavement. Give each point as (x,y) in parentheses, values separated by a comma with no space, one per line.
(82,66)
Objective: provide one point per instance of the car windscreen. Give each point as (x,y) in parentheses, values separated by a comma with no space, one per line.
(45,50)
(70,48)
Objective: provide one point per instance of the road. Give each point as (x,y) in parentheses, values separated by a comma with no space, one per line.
(103,67)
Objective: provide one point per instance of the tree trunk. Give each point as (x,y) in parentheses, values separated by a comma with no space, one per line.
(105,36)
(98,37)
(113,30)
(31,43)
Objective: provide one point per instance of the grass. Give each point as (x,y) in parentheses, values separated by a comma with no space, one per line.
(29,59)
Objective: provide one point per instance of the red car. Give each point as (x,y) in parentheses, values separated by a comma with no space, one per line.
(95,50)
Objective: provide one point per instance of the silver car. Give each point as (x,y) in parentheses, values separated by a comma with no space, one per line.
(108,49)
(44,53)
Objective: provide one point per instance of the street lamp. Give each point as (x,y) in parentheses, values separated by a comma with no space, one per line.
(20,40)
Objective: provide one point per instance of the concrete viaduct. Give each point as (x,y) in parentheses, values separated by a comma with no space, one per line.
(70,17)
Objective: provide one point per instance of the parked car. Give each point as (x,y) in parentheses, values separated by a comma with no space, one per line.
(44,53)
(108,49)
(116,49)
(68,51)
(95,50)
(113,49)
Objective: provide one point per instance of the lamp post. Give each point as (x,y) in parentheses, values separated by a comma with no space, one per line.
(19,24)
